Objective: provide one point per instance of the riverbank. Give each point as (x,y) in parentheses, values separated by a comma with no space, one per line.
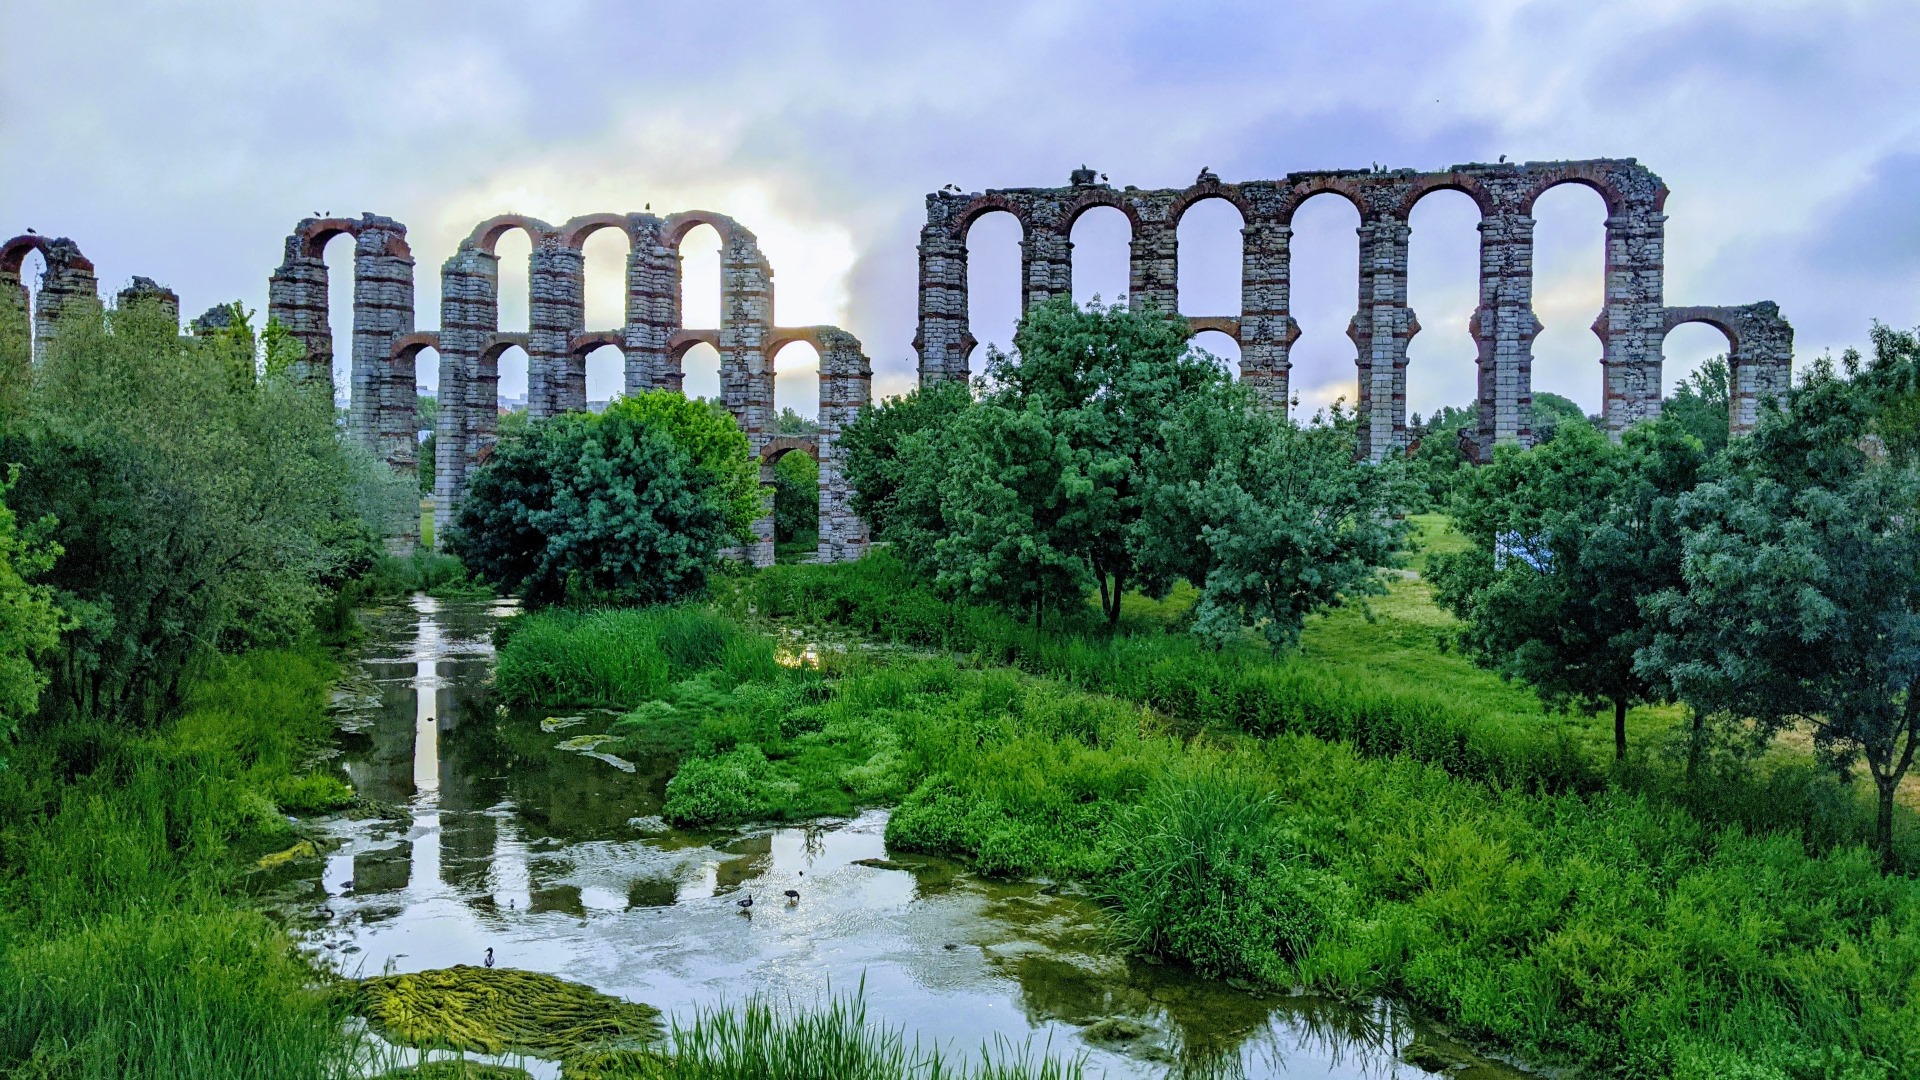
(127,948)
(1547,912)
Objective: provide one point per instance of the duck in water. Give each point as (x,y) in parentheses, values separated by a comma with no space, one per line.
(793,896)
(745,904)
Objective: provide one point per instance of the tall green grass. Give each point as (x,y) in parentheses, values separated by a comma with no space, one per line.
(763,1039)
(1603,927)
(123,949)
(621,657)
(1411,700)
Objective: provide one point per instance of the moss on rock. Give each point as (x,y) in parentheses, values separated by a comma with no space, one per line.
(501,1010)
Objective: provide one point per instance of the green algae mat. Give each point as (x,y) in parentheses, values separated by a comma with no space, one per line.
(502,1010)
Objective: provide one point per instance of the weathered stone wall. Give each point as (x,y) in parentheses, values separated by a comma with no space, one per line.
(145,290)
(1630,326)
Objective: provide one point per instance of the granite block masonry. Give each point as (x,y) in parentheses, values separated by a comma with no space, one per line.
(1632,324)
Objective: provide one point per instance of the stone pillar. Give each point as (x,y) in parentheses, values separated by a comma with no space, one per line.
(145,290)
(66,286)
(556,379)
(297,299)
(1380,331)
(746,375)
(469,382)
(1153,261)
(383,407)
(846,384)
(653,275)
(1267,330)
(1761,368)
(1046,263)
(943,340)
(1503,327)
(1632,326)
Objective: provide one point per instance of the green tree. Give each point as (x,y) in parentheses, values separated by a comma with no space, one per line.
(1551,413)
(792,423)
(1443,451)
(1090,389)
(1566,540)
(608,508)
(1799,599)
(1701,405)
(29,622)
(895,459)
(1271,520)
(204,500)
(706,432)
(426,417)
(796,496)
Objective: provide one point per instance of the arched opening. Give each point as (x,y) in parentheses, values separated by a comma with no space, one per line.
(606,376)
(993,284)
(796,386)
(1696,379)
(795,476)
(1443,289)
(700,280)
(515,251)
(426,420)
(1102,239)
(700,370)
(512,389)
(1569,293)
(1220,345)
(1209,243)
(604,284)
(1324,292)
(17,324)
(337,250)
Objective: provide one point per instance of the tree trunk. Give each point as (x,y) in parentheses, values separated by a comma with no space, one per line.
(1619,729)
(1883,826)
(1696,739)
(1113,615)
(1101,576)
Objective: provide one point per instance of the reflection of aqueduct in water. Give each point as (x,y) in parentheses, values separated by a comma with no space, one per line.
(653,342)
(1632,326)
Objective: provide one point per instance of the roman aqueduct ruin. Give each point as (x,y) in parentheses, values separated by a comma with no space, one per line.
(653,341)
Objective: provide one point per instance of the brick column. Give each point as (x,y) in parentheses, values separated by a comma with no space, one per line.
(943,340)
(383,406)
(1761,369)
(746,376)
(469,386)
(1046,264)
(297,298)
(67,286)
(1632,326)
(1504,326)
(653,275)
(846,384)
(145,290)
(556,379)
(1380,331)
(1153,265)
(1267,331)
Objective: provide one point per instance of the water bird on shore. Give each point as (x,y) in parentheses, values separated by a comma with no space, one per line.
(489,956)
(745,904)
(793,896)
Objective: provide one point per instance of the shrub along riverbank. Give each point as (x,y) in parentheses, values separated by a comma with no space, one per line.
(1383,686)
(1519,895)
(125,949)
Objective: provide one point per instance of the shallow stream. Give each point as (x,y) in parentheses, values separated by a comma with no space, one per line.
(556,859)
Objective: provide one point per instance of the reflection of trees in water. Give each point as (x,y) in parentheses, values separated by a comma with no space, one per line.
(1213,1031)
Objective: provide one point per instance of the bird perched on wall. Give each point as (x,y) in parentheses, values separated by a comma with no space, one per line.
(489,960)
(1503,159)
(30,232)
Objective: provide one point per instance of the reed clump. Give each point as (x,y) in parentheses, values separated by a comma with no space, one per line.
(501,1010)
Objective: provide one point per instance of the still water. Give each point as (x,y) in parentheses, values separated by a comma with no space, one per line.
(555,857)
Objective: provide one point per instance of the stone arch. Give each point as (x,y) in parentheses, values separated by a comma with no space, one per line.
(1466,183)
(500,342)
(677,226)
(780,446)
(582,344)
(1718,318)
(488,233)
(1201,192)
(983,205)
(1219,324)
(315,233)
(1086,199)
(13,254)
(1318,184)
(1622,185)
(575,231)
(412,344)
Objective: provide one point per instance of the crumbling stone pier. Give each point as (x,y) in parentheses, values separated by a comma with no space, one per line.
(1631,327)
(653,342)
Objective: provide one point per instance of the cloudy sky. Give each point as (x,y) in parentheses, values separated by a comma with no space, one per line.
(181,140)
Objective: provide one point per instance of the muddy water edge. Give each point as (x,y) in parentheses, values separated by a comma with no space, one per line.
(506,829)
